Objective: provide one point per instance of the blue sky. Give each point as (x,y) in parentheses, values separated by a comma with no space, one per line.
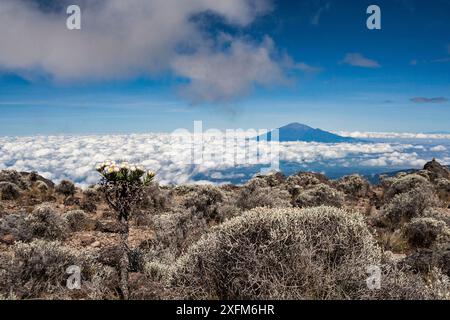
(317,64)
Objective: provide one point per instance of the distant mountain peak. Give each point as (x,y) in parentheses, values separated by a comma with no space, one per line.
(296,131)
(297,126)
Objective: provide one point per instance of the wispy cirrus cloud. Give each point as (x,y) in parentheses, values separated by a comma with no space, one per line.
(315,21)
(358,60)
(307,68)
(429,100)
(416,62)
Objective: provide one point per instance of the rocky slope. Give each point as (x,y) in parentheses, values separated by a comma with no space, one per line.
(46,227)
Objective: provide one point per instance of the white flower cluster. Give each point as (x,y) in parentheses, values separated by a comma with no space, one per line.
(110,166)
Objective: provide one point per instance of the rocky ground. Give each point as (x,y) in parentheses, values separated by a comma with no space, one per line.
(46,227)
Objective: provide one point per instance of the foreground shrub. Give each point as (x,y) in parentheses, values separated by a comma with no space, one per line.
(14,177)
(354,185)
(257,193)
(38,270)
(90,200)
(66,188)
(6,275)
(423,232)
(40,266)
(123,187)
(41,186)
(410,204)
(175,232)
(45,223)
(403,284)
(77,220)
(405,184)
(205,202)
(316,253)
(304,180)
(16,225)
(272,179)
(443,189)
(438,214)
(157,199)
(285,253)
(319,195)
(424,260)
(9,191)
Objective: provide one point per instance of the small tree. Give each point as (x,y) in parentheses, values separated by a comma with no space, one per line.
(123,186)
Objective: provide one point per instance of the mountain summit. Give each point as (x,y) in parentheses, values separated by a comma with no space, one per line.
(301,132)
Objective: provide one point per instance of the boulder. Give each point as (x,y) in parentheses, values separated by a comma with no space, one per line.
(437,170)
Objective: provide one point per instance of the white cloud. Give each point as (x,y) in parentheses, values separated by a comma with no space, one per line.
(230,72)
(121,39)
(74,157)
(438,148)
(392,135)
(358,60)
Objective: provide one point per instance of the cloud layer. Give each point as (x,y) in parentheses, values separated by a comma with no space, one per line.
(394,135)
(121,39)
(74,157)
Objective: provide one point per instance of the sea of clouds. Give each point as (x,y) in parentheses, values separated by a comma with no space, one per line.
(170,156)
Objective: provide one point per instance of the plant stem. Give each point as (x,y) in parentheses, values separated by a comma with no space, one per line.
(124,260)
